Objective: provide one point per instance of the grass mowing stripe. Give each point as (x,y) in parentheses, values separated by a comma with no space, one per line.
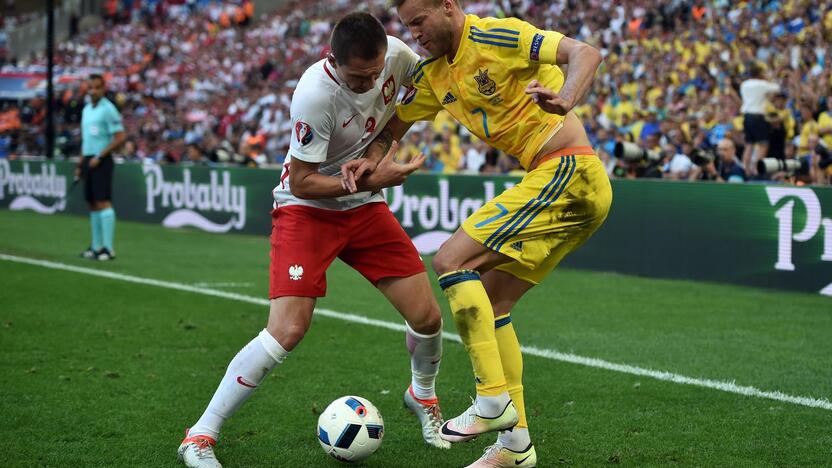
(729,387)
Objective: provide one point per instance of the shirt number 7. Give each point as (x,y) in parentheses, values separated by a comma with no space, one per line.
(484,120)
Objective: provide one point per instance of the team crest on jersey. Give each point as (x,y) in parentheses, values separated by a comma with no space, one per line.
(295,272)
(486,85)
(388,90)
(409,95)
(303,132)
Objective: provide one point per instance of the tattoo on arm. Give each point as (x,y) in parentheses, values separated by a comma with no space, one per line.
(385,140)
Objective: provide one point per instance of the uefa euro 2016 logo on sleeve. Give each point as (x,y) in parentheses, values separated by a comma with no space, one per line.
(409,94)
(534,52)
(303,132)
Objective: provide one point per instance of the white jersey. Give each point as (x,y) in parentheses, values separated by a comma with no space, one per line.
(332,125)
(754,93)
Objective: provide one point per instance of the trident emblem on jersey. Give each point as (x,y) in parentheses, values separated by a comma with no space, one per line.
(487,86)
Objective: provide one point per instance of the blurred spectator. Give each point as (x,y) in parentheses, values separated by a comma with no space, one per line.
(474,158)
(679,77)
(195,155)
(754,92)
(680,165)
(808,128)
(825,120)
(725,168)
(782,126)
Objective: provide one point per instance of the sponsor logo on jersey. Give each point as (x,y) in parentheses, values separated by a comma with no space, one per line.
(303,132)
(534,52)
(449,98)
(485,84)
(408,96)
(388,90)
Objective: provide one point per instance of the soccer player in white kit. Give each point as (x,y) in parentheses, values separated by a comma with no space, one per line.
(340,106)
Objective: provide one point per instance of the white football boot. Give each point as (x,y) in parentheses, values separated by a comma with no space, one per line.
(499,456)
(198,452)
(429,415)
(469,424)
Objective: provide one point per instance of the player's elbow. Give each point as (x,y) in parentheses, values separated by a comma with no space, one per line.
(299,191)
(591,54)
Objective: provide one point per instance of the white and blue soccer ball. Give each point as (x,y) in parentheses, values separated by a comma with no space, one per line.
(350,429)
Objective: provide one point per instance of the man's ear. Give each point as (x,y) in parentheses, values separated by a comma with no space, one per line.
(448,6)
(331,59)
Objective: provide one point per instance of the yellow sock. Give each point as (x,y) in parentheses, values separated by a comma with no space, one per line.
(512,362)
(474,319)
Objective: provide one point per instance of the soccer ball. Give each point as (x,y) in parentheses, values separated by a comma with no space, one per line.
(350,429)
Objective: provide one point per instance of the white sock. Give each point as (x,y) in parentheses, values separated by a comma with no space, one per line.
(516,439)
(492,406)
(245,372)
(425,355)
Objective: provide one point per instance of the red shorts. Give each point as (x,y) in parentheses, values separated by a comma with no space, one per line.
(306,240)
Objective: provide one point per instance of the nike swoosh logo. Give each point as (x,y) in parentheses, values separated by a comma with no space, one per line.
(244,383)
(517,462)
(344,125)
(444,429)
(436,361)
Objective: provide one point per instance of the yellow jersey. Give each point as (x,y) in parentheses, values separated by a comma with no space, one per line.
(808,129)
(785,116)
(483,87)
(824,122)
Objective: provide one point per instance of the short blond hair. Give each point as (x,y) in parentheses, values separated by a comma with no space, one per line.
(399,3)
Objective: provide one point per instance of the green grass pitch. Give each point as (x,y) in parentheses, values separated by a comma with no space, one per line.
(103,372)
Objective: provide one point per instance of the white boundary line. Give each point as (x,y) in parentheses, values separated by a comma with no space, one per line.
(225,284)
(729,387)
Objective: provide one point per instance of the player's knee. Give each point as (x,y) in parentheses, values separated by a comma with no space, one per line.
(443,263)
(288,334)
(429,321)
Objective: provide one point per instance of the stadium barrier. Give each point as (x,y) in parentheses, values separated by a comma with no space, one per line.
(760,235)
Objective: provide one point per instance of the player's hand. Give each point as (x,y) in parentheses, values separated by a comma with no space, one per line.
(76,176)
(355,169)
(94,161)
(547,99)
(389,173)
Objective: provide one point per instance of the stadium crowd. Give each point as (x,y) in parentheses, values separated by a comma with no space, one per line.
(207,81)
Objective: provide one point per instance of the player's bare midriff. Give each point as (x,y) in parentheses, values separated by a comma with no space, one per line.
(571,134)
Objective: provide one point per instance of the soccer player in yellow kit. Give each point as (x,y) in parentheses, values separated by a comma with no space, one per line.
(500,78)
